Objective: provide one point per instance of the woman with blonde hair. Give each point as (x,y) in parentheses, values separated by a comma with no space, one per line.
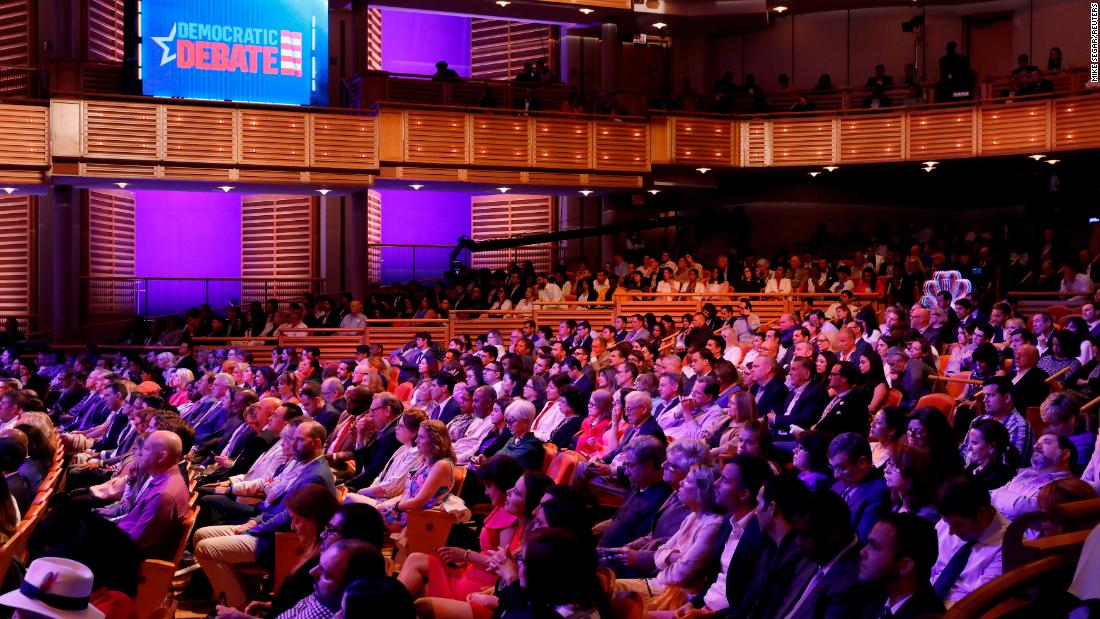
(431,485)
(741,411)
(180,380)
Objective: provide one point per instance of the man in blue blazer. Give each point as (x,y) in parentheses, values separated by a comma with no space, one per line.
(445,408)
(218,549)
(804,402)
(859,483)
(768,389)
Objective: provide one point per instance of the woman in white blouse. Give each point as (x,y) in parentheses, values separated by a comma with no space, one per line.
(391,481)
(778,283)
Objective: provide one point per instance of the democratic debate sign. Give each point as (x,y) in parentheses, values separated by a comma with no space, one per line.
(266,51)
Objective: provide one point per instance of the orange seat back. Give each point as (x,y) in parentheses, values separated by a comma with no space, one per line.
(548,457)
(893,398)
(564,466)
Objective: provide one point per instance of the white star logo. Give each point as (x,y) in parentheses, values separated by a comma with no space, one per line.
(166,57)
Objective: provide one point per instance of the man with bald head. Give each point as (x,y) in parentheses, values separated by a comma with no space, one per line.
(466,447)
(768,389)
(1029,384)
(155,522)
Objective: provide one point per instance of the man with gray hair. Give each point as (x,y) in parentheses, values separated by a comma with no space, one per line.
(210,423)
(912,377)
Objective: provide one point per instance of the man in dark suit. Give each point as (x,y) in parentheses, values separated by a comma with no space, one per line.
(897,561)
(729,574)
(847,410)
(186,359)
(848,342)
(583,338)
(314,404)
(825,533)
(768,390)
(385,410)
(803,405)
(910,376)
(411,358)
(445,408)
(859,483)
(66,394)
(783,562)
(572,366)
(648,491)
(638,411)
(1029,385)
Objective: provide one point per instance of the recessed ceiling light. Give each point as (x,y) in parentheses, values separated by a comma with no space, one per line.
(931,164)
(703,170)
(1052,161)
(323,192)
(660,25)
(586,192)
(504,189)
(416,187)
(654,191)
(587,11)
(831,168)
(928,169)
(503,2)
(1036,157)
(122,185)
(814,174)
(225,188)
(779,8)
(9,190)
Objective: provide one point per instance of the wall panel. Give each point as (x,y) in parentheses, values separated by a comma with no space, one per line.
(277,241)
(494,217)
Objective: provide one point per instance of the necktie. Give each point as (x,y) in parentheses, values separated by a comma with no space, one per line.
(807,593)
(952,570)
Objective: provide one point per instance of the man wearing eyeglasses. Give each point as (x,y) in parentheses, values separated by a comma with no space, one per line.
(385,409)
(859,483)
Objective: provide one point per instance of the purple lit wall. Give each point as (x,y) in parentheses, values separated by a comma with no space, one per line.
(187,234)
(421,218)
(412,42)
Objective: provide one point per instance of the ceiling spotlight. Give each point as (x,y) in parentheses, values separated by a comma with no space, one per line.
(122,185)
(931,164)
(779,8)
(660,25)
(587,11)
(225,188)
(814,174)
(928,169)
(1052,161)
(703,170)
(586,192)
(654,192)
(831,168)
(9,190)
(504,189)
(1036,157)
(323,192)
(416,187)
(503,2)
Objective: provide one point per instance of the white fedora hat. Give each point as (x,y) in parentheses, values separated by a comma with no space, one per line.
(56,588)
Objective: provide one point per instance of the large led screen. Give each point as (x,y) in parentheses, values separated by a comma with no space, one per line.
(266,51)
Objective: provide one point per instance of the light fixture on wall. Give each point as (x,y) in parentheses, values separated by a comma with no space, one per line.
(323,192)
(1052,161)
(503,3)
(780,8)
(416,187)
(9,190)
(660,25)
(813,174)
(654,192)
(702,170)
(931,164)
(504,189)
(1036,157)
(587,11)
(226,188)
(585,192)
(831,168)
(122,185)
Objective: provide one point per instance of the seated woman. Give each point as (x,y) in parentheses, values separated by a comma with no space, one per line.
(454,573)
(887,431)
(431,484)
(992,456)
(913,483)
(741,410)
(590,439)
(681,561)
(571,404)
(390,482)
(180,380)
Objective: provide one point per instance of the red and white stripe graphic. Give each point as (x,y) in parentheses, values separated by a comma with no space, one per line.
(290,53)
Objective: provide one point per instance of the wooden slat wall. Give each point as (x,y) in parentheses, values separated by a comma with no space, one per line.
(105,30)
(374,236)
(374,39)
(277,241)
(16,29)
(110,225)
(26,135)
(17,251)
(498,48)
(494,217)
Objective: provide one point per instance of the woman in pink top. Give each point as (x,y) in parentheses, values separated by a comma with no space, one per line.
(180,380)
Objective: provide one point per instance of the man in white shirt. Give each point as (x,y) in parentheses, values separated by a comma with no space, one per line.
(549,292)
(970,536)
(466,447)
(601,284)
(355,319)
(666,407)
(1074,282)
(1050,461)
(702,417)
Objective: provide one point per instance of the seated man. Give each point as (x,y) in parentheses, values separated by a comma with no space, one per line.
(970,537)
(825,533)
(642,461)
(701,416)
(12,455)
(1051,460)
(219,548)
(155,521)
(909,376)
(341,564)
(858,481)
(804,402)
(897,561)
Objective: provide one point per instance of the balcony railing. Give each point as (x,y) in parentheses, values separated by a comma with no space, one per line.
(109,297)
